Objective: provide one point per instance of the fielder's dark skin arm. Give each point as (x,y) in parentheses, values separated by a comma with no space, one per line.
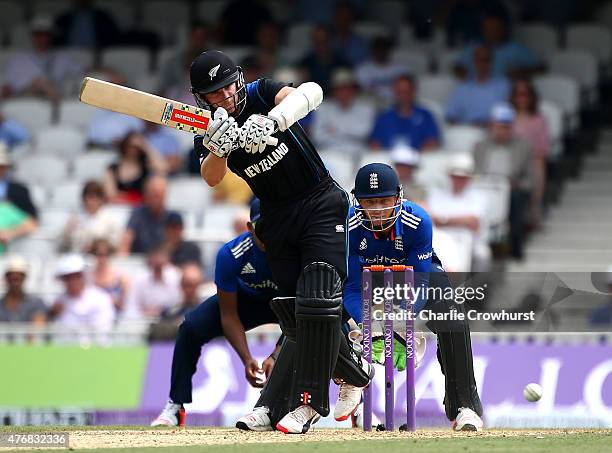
(235,334)
(213,168)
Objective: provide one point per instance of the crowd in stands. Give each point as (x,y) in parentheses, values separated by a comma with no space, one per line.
(476,142)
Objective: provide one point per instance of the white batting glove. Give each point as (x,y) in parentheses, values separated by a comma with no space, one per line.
(256,132)
(221,137)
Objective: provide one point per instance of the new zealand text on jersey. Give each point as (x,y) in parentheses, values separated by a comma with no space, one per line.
(268,162)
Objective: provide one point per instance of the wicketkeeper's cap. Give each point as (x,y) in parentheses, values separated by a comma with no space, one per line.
(376,180)
(255,210)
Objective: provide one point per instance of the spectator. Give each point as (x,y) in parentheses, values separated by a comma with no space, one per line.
(124,180)
(85,25)
(92,221)
(105,276)
(321,62)
(376,75)
(267,52)
(406,161)
(156,289)
(16,305)
(531,126)
(174,73)
(240,20)
(406,123)
(504,155)
(171,318)
(12,133)
(463,207)
(464,22)
(82,306)
(232,189)
(164,142)
(145,229)
(17,212)
(335,122)
(40,71)
(472,100)
(181,251)
(510,58)
(352,47)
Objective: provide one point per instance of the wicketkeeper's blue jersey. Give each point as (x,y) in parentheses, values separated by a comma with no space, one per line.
(409,243)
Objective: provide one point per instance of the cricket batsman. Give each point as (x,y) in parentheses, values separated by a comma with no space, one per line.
(303,216)
(244,291)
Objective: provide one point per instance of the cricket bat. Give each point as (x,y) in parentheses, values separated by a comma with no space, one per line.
(147,106)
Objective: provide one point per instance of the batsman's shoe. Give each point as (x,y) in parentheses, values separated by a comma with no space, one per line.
(257,420)
(171,415)
(357,419)
(467,420)
(349,398)
(298,421)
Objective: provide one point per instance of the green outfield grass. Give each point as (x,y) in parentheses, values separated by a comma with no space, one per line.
(591,442)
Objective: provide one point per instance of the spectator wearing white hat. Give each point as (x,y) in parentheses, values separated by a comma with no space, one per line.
(17,212)
(16,305)
(460,206)
(503,155)
(344,121)
(406,162)
(82,306)
(40,71)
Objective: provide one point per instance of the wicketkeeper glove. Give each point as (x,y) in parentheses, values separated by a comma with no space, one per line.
(399,352)
(221,137)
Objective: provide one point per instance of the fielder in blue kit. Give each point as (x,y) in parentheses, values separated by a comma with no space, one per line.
(384,229)
(244,290)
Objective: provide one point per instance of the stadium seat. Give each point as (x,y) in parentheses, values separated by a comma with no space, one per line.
(12,13)
(298,37)
(209,11)
(66,195)
(446,60)
(52,222)
(454,248)
(437,109)
(591,38)
(391,13)
(120,212)
(341,166)
(188,194)
(433,169)
(579,65)
(84,57)
(44,170)
(370,30)
(75,114)
(415,62)
(92,164)
(62,140)
(35,114)
(541,38)
(237,53)
(133,265)
(219,218)
(497,194)
(436,87)
(562,91)
(20,36)
(33,246)
(167,12)
(49,9)
(165,55)
(554,118)
(462,139)
(375,156)
(39,195)
(131,62)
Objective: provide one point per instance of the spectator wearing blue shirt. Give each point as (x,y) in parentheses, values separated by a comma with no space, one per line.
(510,58)
(471,101)
(12,133)
(406,123)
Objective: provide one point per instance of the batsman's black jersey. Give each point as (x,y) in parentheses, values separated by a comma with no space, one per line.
(286,172)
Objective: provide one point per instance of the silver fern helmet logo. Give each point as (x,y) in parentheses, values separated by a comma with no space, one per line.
(213,71)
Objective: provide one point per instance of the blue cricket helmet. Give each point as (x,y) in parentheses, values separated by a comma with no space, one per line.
(376,180)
